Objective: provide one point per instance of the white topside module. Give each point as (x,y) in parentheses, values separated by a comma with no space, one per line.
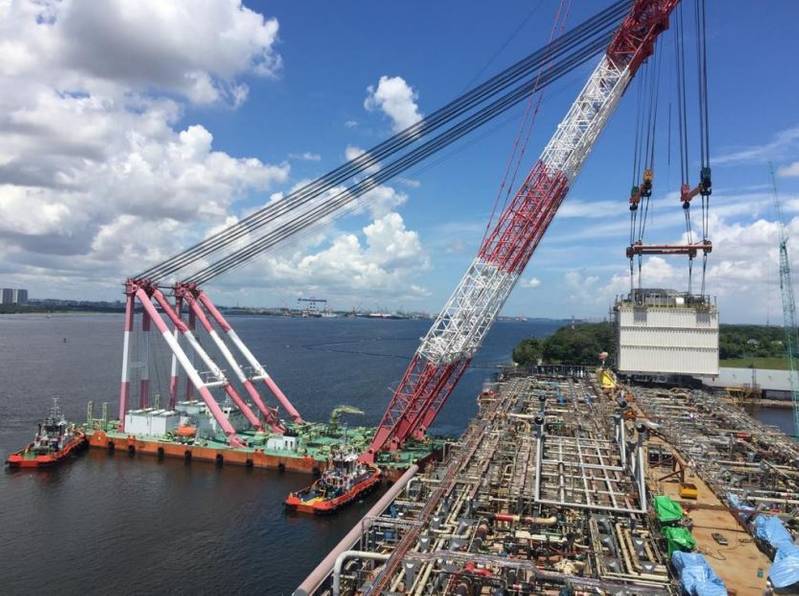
(665,332)
(150,422)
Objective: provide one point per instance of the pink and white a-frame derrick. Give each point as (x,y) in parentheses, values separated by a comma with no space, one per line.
(176,333)
(459,330)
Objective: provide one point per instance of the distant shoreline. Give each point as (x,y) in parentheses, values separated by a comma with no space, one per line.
(42,309)
(59,311)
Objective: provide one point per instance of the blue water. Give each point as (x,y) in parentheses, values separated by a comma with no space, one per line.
(782,418)
(114,524)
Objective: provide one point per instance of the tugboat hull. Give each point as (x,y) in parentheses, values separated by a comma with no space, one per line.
(323,506)
(24,459)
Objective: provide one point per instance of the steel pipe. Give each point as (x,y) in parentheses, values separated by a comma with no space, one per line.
(352,554)
(318,575)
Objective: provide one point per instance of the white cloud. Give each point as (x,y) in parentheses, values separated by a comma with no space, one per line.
(382,200)
(131,164)
(96,180)
(305,156)
(789,170)
(351,123)
(396,99)
(743,272)
(456,246)
(581,288)
(101,178)
(409,182)
(530,283)
(383,260)
(351,152)
(196,49)
(576,208)
(784,143)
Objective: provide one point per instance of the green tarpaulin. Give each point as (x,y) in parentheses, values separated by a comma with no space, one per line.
(668,511)
(678,538)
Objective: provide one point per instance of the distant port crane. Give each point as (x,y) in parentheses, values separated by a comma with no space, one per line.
(626,31)
(788,306)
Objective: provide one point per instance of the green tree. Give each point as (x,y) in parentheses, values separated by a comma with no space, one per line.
(572,344)
(528,352)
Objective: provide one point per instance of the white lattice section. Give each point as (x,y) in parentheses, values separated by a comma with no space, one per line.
(460,328)
(577,132)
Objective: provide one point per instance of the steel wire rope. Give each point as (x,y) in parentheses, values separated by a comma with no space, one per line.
(704,126)
(634,188)
(362,162)
(591,27)
(348,195)
(643,151)
(682,116)
(281,208)
(403,163)
(504,45)
(651,133)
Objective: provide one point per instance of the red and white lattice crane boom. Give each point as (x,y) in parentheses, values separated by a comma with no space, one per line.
(459,330)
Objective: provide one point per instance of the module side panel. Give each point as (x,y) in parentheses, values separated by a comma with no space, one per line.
(682,341)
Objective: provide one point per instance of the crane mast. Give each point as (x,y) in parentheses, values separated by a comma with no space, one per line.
(788,308)
(460,328)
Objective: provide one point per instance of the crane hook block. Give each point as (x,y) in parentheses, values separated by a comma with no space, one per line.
(635,198)
(686,194)
(705,184)
(646,186)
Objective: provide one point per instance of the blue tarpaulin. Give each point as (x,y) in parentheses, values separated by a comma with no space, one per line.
(738,503)
(784,571)
(742,510)
(771,530)
(697,578)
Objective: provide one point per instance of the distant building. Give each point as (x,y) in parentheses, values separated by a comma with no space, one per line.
(772,384)
(13,296)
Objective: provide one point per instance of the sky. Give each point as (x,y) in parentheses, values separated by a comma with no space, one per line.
(131,130)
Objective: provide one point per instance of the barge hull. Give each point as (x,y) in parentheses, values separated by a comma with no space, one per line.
(221,454)
(227,455)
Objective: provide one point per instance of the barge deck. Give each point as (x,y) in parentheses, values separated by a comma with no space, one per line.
(314,442)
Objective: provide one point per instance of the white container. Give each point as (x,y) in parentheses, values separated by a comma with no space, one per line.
(137,422)
(281,443)
(151,423)
(163,422)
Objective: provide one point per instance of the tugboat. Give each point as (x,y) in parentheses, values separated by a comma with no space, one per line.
(55,440)
(344,480)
